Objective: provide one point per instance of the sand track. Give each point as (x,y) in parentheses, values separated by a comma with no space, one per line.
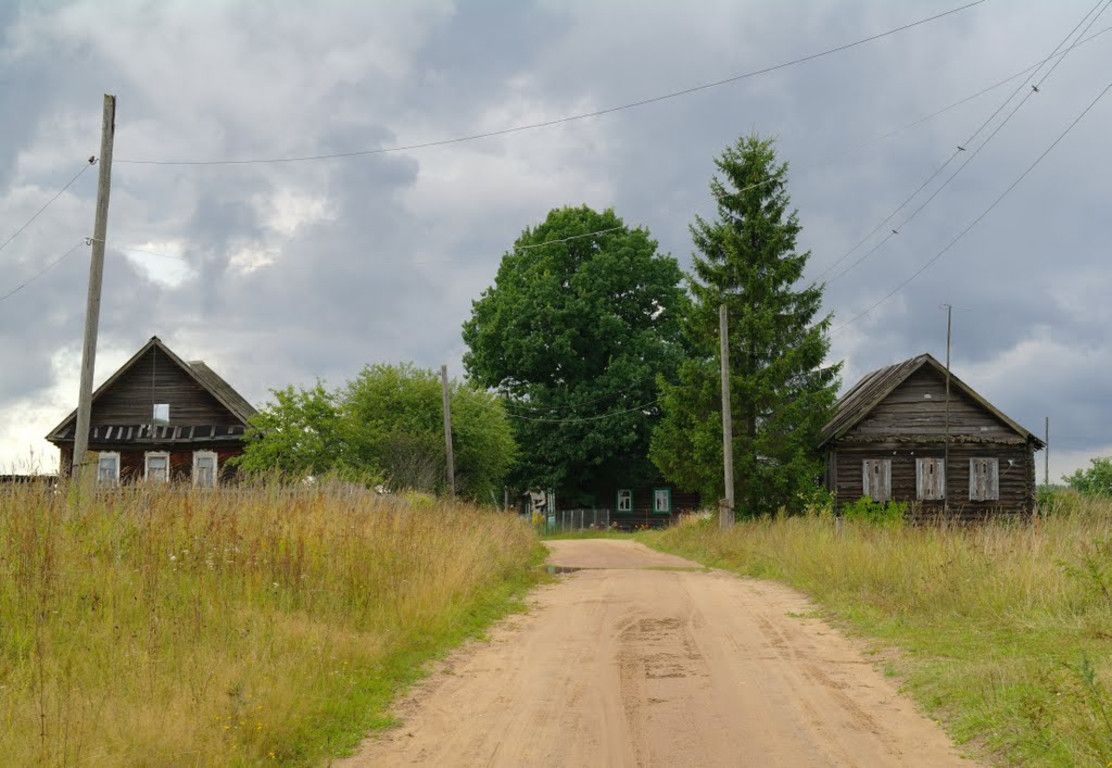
(632,662)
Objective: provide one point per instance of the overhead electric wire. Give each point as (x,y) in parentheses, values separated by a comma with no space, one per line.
(41,272)
(567,118)
(963,147)
(48,203)
(979,218)
(579,419)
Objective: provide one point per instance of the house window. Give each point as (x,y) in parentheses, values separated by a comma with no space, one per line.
(204,469)
(662,501)
(984,479)
(108,468)
(161,413)
(156,466)
(930,479)
(877,479)
(625,501)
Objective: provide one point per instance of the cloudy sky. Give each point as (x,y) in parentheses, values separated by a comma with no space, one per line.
(279,273)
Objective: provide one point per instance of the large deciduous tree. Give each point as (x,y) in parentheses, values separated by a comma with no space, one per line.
(575,332)
(782,390)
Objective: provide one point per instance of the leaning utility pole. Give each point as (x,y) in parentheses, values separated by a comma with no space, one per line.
(946,446)
(726,509)
(96,274)
(448,430)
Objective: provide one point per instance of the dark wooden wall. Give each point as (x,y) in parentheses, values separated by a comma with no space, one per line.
(911,423)
(918,407)
(181,460)
(1016,480)
(156,379)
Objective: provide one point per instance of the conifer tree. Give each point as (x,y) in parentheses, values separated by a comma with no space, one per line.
(782,391)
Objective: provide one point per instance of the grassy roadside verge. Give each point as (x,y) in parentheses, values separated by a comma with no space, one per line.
(241,627)
(1002,632)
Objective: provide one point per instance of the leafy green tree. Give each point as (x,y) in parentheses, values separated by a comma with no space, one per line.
(782,392)
(579,325)
(387,424)
(1094,481)
(298,433)
(393,420)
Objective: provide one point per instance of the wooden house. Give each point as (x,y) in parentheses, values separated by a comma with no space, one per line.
(892,431)
(159,418)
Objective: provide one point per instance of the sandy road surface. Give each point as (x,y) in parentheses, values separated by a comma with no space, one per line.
(633,663)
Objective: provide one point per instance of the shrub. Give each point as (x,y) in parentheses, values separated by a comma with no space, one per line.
(1094,481)
(865,510)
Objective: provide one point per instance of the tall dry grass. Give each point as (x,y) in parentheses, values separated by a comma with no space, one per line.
(154,627)
(1005,629)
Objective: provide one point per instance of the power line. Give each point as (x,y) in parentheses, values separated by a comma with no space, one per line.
(576,420)
(48,203)
(977,220)
(959,150)
(42,271)
(574,117)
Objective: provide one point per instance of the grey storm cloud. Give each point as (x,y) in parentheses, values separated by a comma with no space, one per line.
(288,272)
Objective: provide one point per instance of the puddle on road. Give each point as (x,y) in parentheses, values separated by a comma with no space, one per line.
(561,569)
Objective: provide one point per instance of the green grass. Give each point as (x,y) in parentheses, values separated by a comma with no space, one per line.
(242,627)
(1003,632)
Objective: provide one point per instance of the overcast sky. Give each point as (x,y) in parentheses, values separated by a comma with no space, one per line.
(285,273)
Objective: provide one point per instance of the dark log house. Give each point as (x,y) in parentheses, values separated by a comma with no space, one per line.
(891,432)
(159,418)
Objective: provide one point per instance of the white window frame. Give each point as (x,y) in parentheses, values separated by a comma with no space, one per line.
(215,467)
(662,493)
(105,455)
(625,500)
(991,488)
(147,456)
(155,418)
(884,493)
(921,473)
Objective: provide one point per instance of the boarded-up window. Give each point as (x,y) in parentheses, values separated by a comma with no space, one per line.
(204,469)
(930,479)
(877,479)
(984,479)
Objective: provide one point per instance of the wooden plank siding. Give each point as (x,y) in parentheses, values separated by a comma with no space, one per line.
(155,378)
(1016,480)
(899,413)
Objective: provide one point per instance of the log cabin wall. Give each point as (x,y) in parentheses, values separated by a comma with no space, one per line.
(1016,476)
(906,421)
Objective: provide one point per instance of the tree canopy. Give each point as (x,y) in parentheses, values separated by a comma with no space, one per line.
(575,332)
(387,422)
(781,389)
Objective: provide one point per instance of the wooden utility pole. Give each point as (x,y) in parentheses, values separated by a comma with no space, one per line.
(726,509)
(448,430)
(96,274)
(946,444)
(1046,453)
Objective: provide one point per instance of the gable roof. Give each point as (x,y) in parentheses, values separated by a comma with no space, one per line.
(868,393)
(208,379)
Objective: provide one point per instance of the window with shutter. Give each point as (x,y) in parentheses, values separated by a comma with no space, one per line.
(877,479)
(930,479)
(984,479)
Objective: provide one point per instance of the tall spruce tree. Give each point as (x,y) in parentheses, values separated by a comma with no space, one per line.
(782,391)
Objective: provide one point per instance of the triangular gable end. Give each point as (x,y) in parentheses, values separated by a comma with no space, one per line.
(237,408)
(874,388)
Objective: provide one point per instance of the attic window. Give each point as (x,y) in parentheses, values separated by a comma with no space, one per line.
(161,413)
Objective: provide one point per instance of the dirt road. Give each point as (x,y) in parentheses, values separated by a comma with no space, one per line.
(631,662)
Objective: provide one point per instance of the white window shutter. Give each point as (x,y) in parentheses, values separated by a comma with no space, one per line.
(920,488)
(993,479)
(973,480)
(887,482)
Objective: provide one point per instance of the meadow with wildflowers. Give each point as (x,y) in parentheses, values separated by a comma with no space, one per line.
(257,625)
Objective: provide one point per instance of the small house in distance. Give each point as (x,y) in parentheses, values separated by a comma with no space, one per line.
(159,418)
(889,436)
